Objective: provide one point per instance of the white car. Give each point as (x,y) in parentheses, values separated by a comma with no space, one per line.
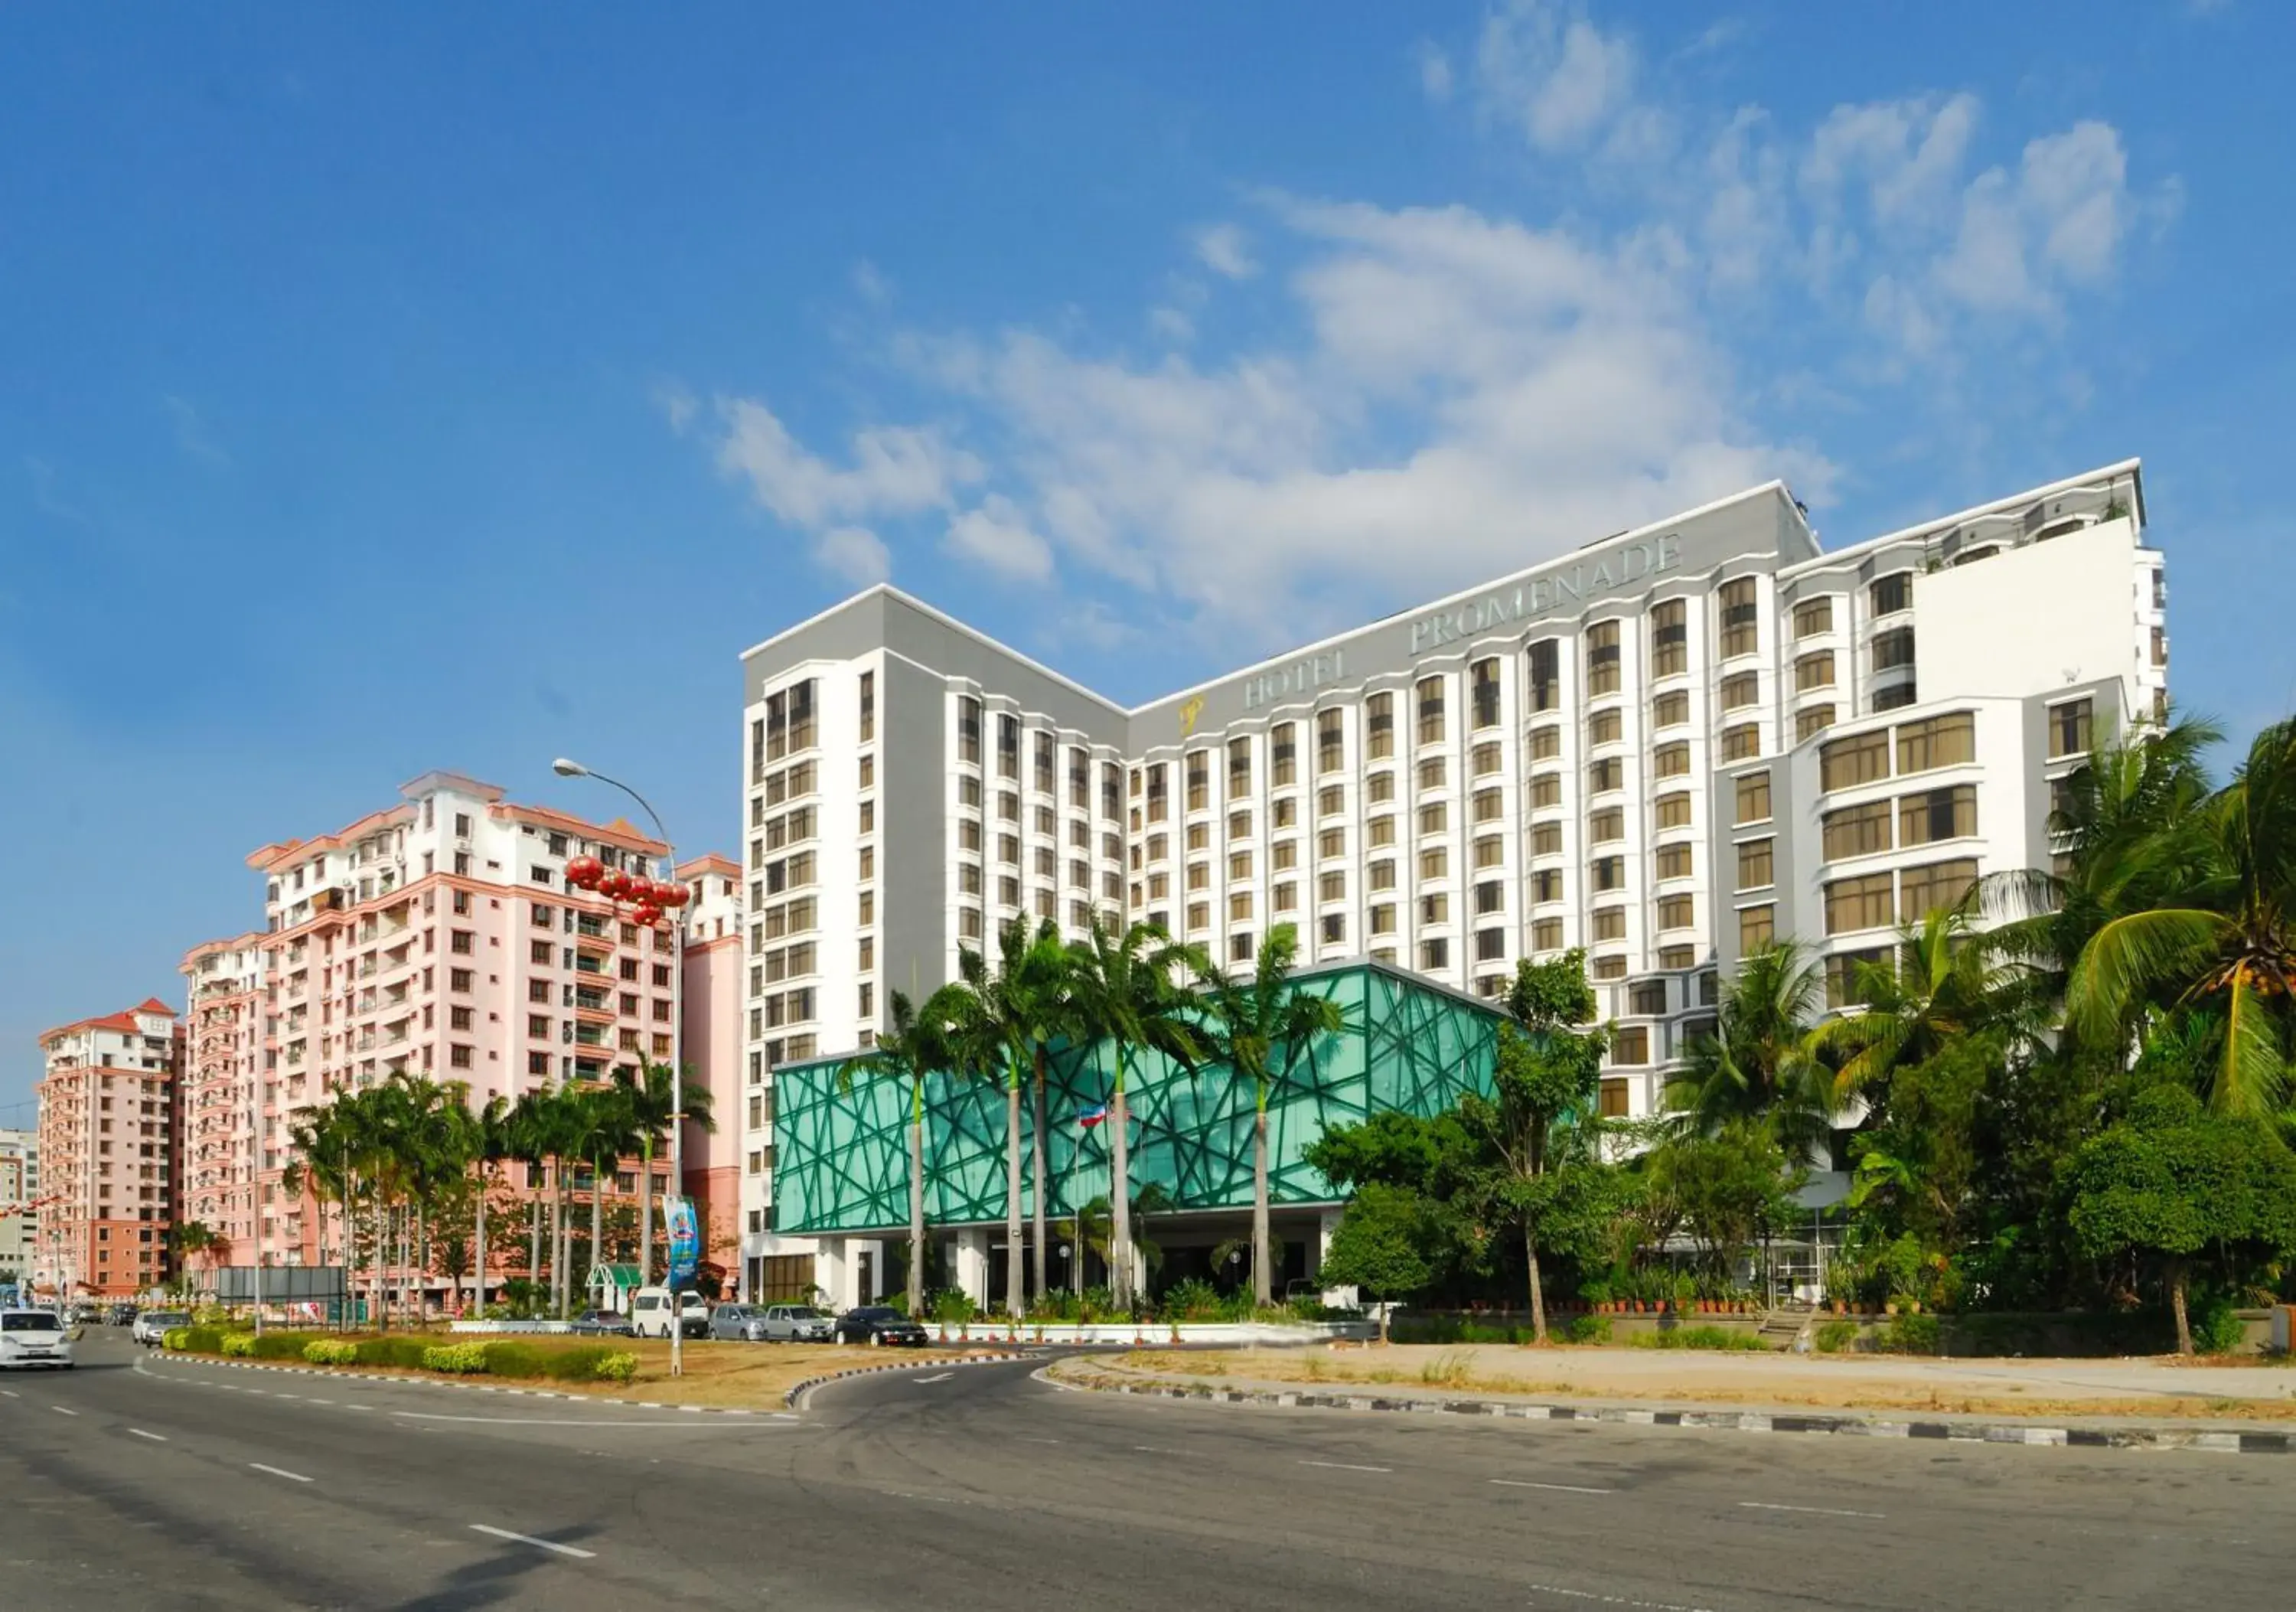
(150,1327)
(33,1338)
(650,1314)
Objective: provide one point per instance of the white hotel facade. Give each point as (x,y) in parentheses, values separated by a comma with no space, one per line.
(1668,747)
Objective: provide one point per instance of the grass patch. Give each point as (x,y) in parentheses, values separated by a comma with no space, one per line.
(1723,1338)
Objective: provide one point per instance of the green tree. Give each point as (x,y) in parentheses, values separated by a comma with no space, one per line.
(2175,1188)
(1731,1190)
(1259,1028)
(493,1141)
(909,1050)
(1381,1245)
(654,1107)
(1760,1063)
(1940,984)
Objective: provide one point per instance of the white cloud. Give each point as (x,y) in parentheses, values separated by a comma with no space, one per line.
(896,469)
(869,282)
(997,536)
(677,404)
(855,553)
(1553,72)
(1220,248)
(1172,324)
(1434,71)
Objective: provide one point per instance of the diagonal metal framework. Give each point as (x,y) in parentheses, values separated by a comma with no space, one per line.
(841,1157)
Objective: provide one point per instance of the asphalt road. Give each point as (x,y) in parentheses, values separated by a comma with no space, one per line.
(134,1483)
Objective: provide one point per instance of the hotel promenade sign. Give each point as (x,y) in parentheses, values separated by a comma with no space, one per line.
(1629,569)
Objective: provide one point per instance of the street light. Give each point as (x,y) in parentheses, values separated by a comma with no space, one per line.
(566,768)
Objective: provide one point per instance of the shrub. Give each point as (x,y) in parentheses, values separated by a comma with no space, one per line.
(952,1305)
(461,1360)
(1915,1333)
(616,1368)
(1696,1337)
(240,1345)
(279,1346)
(330,1352)
(578,1365)
(404,1352)
(176,1339)
(1588,1330)
(509,1359)
(1835,1335)
(2217,1330)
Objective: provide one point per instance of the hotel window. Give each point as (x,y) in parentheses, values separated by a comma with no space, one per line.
(1546,886)
(1937,884)
(1380,786)
(1200,835)
(1631,1045)
(1678,958)
(1855,831)
(1813,616)
(1200,875)
(1546,675)
(1814,671)
(1431,710)
(1672,810)
(1382,919)
(1431,772)
(1669,638)
(1844,762)
(1239,906)
(1547,789)
(1286,896)
(1434,955)
(1434,863)
(1330,752)
(968,878)
(1671,710)
(1860,903)
(1605,726)
(1850,975)
(1008,746)
(1042,770)
(1332,843)
(1490,851)
(1945,741)
(1610,923)
(1239,947)
(1545,744)
(1238,864)
(1755,865)
(1611,773)
(1546,839)
(1674,861)
(1334,928)
(1893,649)
(1111,790)
(1486,759)
(1200,915)
(1546,935)
(1810,723)
(1741,632)
(1602,658)
(1199,779)
(1079,875)
(1605,827)
(1937,814)
(2070,728)
(1490,945)
(1758,927)
(1893,593)
(1647,997)
(1332,887)
(868,706)
(1485,679)
(1381,831)
(1677,911)
(1741,689)
(2159,647)
(1286,854)
(1008,849)
(1160,885)
(968,731)
(1239,824)
(1607,873)
(1080,779)
(968,923)
(1670,760)
(1284,812)
(1743,743)
(1490,896)
(1284,754)
(1159,795)
(1379,729)
(1382,875)
(1239,768)
(1893,698)
(1488,805)
(1433,817)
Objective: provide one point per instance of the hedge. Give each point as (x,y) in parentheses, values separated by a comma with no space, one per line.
(583,1363)
(330,1352)
(461,1360)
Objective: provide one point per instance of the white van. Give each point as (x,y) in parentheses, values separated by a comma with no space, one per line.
(650,1314)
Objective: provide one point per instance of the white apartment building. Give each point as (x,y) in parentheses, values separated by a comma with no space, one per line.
(1667,746)
(20,1182)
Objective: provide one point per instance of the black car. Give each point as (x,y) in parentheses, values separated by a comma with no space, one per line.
(879,1325)
(120,1315)
(601,1322)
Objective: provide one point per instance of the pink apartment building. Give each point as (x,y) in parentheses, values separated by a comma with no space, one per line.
(107,1131)
(223,1057)
(712,1050)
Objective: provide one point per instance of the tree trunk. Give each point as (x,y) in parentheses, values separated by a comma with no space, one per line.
(533,1242)
(1385,1310)
(559,1249)
(916,1218)
(645,1214)
(1037,1175)
(1015,1255)
(2177,1281)
(1537,1295)
(1120,1196)
(597,1222)
(479,1245)
(1259,1282)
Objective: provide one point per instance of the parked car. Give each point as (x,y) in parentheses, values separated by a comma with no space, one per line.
(650,1314)
(33,1338)
(738,1324)
(877,1325)
(602,1323)
(120,1315)
(798,1324)
(150,1327)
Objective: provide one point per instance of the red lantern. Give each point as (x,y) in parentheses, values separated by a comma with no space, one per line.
(583,872)
(648,915)
(612,884)
(675,895)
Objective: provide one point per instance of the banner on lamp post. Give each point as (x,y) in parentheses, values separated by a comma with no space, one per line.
(684,1240)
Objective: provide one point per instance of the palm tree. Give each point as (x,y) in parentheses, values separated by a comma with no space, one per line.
(1128,989)
(653,1114)
(910,1050)
(605,1131)
(1257,1029)
(193,1239)
(2222,949)
(492,1142)
(1941,983)
(1757,1063)
(527,1138)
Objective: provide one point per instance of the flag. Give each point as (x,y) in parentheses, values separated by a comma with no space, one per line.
(1092,1116)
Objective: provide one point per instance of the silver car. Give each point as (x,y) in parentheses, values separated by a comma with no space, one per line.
(797,1324)
(738,1323)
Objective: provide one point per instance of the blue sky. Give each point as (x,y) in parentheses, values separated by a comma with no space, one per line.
(389,390)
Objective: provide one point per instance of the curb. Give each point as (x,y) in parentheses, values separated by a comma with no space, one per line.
(1742,1421)
(424,1382)
(800,1390)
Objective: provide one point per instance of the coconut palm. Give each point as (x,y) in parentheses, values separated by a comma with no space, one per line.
(1129,989)
(492,1143)
(527,1137)
(1757,1063)
(2223,948)
(910,1050)
(653,1111)
(1259,1027)
(605,1131)
(1942,982)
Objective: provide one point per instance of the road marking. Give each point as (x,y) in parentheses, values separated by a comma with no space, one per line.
(1524,1483)
(321,1401)
(280,1472)
(1613,1600)
(61,1411)
(558,1421)
(358,1407)
(942,1377)
(1759,1505)
(11,1393)
(154,1437)
(1346,1466)
(1040,1440)
(528,1539)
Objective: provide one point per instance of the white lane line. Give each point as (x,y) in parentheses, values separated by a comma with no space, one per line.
(316,1400)
(1346,1466)
(1613,1600)
(155,1437)
(296,1477)
(1757,1505)
(358,1407)
(942,1377)
(61,1411)
(528,1539)
(1040,1440)
(11,1393)
(1524,1483)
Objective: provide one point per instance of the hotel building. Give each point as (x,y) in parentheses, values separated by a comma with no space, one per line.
(108,1125)
(1668,747)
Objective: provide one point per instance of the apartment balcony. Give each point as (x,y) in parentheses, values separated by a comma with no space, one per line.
(587,941)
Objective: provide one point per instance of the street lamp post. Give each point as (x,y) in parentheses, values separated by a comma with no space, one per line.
(566,769)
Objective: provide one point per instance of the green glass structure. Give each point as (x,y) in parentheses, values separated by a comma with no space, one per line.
(841,1152)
